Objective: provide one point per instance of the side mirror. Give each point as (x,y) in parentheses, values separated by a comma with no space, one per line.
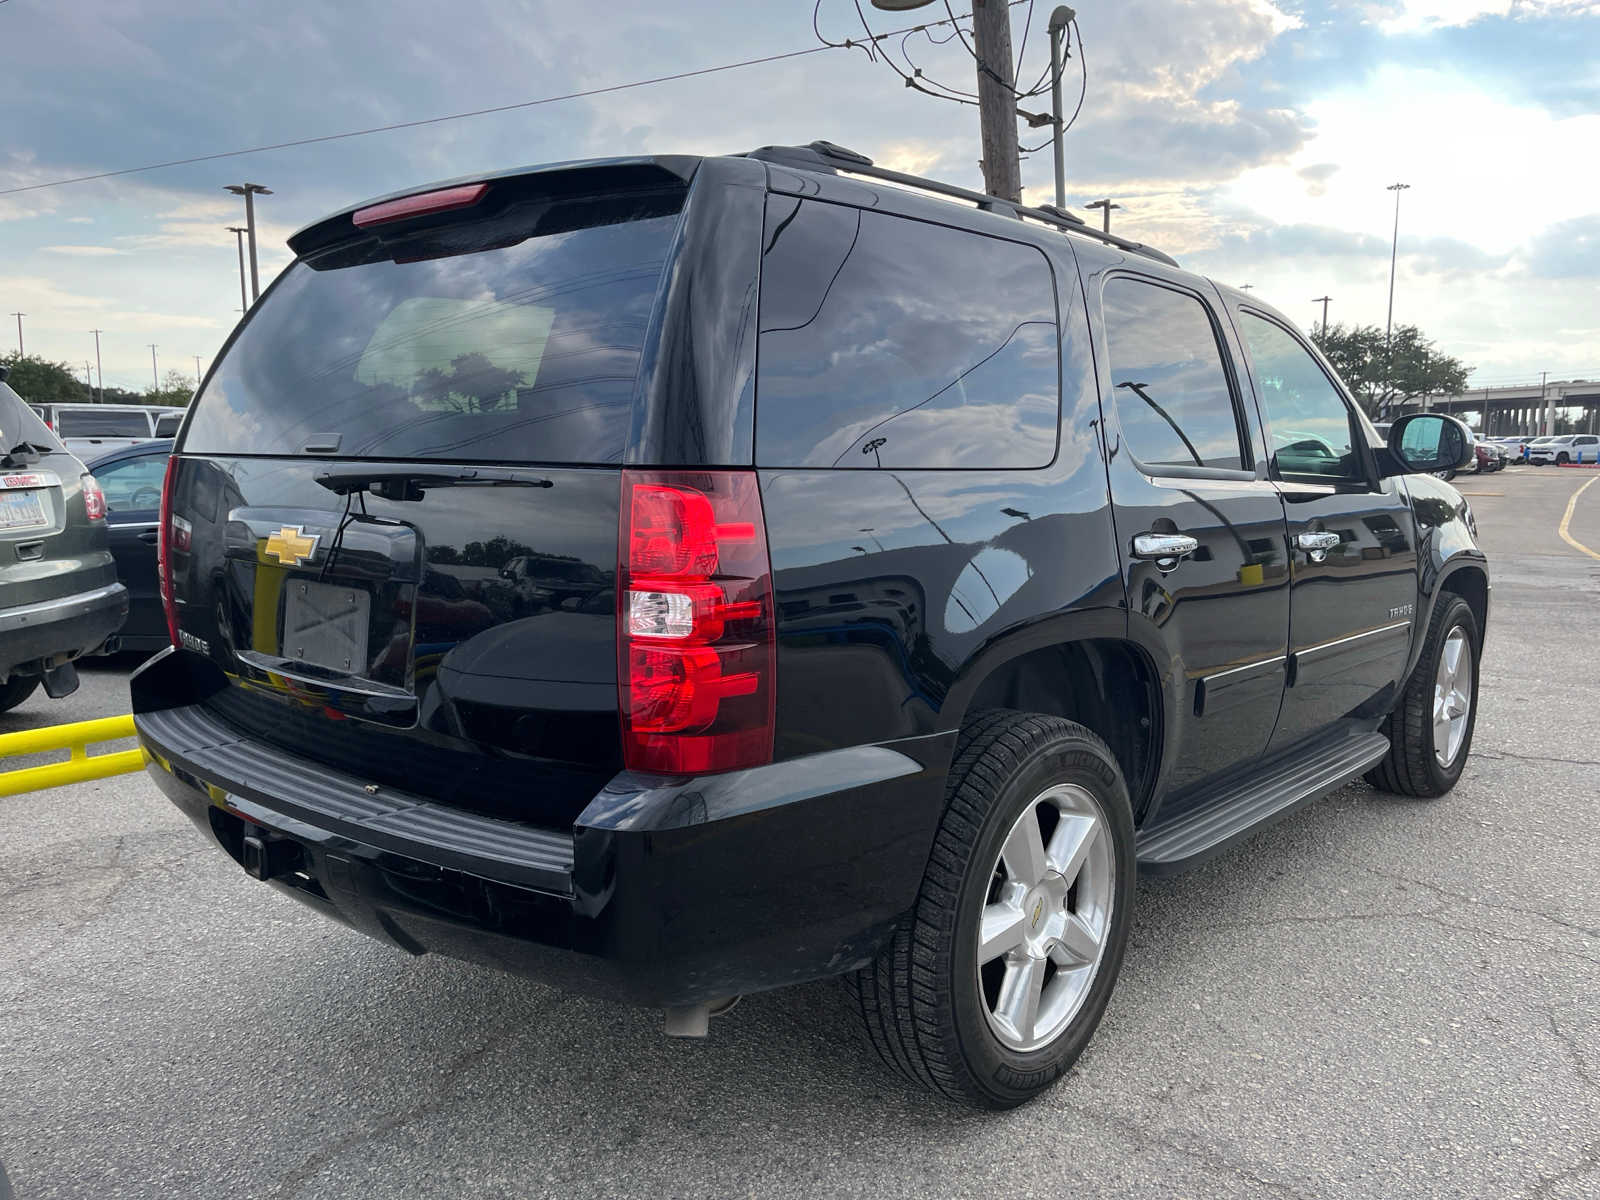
(1426,442)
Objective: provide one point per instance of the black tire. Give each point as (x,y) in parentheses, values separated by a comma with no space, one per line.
(15,690)
(1562,459)
(921,1001)
(1411,768)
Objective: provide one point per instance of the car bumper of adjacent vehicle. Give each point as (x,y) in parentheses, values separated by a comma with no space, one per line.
(56,631)
(666,892)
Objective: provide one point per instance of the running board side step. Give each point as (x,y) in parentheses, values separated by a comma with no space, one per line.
(1251,804)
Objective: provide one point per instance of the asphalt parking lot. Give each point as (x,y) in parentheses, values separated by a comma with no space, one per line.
(1374,998)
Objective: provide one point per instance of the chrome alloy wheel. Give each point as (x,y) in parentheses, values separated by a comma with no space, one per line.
(1452,696)
(1046,917)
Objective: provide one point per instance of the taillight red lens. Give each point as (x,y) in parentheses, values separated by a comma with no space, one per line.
(695,622)
(164,548)
(94,500)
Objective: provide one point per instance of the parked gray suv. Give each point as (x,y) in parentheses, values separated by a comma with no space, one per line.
(59,595)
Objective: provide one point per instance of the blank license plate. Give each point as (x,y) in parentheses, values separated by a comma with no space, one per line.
(326,624)
(22,510)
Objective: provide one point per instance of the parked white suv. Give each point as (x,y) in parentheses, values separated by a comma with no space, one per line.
(1568,448)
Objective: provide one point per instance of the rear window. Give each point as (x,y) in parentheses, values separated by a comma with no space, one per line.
(87,423)
(888,342)
(515,339)
(1172,394)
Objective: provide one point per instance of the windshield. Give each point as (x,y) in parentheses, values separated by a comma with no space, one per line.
(509,344)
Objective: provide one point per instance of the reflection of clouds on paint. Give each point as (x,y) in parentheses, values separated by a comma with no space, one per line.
(992,577)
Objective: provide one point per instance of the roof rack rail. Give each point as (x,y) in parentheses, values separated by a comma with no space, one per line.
(825,156)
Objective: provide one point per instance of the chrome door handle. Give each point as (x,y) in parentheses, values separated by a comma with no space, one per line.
(1164,547)
(1316,545)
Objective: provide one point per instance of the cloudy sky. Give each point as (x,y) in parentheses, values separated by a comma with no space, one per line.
(1252,139)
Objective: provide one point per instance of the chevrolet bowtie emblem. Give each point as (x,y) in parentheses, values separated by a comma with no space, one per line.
(1038,908)
(292,545)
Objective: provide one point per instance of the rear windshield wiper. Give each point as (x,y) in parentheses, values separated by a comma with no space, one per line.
(31,452)
(410,483)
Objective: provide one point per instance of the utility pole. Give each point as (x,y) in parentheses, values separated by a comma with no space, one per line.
(251,190)
(1106,206)
(1060,19)
(997,98)
(100,372)
(19,317)
(1245,287)
(1323,300)
(88,376)
(1549,405)
(1388,325)
(238,236)
(155,380)
(197,372)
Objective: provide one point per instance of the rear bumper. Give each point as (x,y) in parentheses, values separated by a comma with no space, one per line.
(666,892)
(55,631)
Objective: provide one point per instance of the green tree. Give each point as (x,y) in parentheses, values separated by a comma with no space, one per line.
(1382,377)
(42,381)
(176,390)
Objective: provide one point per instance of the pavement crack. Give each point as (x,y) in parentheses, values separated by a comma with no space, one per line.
(1497,755)
(1589,1160)
(1465,898)
(294,1182)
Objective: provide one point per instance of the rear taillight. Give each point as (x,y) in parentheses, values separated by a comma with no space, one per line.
(94,500)
(173,535)
(695,624)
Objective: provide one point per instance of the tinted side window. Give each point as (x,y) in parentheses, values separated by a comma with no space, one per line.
(86,422)
(894,343)
(133,483)
(1307,420)
(1172,394)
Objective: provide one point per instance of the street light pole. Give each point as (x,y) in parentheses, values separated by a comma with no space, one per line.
(19,316)
(250,191)
(99,371)
(238,236)
(1060,19)
(1106,205)
(1388,326)
(155,379)
(197,372)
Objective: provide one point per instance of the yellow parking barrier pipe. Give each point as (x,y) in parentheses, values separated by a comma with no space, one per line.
(75,738)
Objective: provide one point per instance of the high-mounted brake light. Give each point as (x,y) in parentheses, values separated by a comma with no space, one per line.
(421,205)
(695,623)
(173,534)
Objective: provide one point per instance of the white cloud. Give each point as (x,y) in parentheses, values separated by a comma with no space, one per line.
(1421,16)
(81,251)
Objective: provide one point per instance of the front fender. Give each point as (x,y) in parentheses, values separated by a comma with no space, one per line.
(1446,545)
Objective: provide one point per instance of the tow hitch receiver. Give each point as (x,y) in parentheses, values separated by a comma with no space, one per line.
(264,856)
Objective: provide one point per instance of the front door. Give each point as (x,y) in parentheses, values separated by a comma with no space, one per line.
(132,488)
(1352,544)
(1201,527)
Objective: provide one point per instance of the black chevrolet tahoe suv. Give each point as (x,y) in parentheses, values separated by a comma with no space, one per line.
(59,595)
(678,577)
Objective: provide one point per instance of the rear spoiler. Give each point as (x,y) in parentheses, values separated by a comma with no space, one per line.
(555,181)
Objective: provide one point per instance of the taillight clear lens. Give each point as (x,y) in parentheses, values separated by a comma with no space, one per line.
(696,627)
(165,546)
(94,500)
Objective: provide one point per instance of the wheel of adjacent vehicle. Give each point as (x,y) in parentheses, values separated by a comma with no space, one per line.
(996,983)
(1562,459)
(1430,730)
(15,690)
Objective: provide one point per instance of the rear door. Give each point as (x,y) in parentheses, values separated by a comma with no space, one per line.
(1352,537)
(1200,525)
(132,487)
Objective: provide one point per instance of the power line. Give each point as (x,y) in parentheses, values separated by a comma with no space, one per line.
(477,112)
